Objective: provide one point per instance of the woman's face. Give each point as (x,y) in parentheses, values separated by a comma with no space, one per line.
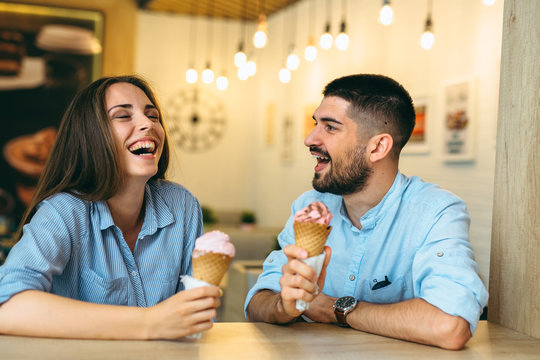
(137,130)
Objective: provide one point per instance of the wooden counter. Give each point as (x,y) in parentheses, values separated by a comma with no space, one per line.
(263,341)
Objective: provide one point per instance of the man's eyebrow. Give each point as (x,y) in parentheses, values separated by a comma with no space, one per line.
(327,119)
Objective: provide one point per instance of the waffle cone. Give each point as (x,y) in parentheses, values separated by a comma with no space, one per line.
(311,236)
(210,267)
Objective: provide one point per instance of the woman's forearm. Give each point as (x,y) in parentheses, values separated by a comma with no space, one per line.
(37,313)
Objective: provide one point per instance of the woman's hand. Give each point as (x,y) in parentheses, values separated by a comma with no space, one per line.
(187,312)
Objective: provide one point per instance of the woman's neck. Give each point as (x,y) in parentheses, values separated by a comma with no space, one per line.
(127,211)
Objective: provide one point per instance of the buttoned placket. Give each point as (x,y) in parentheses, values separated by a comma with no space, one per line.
(133,271)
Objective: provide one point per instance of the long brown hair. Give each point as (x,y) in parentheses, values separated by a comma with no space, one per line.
(84,160)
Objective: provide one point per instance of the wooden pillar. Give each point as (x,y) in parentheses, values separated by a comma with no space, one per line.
(515,249)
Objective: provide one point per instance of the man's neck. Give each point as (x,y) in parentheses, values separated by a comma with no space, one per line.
(359,203)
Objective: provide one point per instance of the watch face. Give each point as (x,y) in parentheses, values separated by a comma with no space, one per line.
(345,302)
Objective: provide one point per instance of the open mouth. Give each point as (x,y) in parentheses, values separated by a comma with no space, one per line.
(322,161)
(143,148)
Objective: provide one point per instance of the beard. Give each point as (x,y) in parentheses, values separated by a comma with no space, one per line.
(347,175)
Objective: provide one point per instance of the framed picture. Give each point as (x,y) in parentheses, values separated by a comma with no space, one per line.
(47,54)
(287,139)
(458,121)
(309,123)
(417,143)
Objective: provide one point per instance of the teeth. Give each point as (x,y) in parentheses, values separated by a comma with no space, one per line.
(149,145)
(320,157)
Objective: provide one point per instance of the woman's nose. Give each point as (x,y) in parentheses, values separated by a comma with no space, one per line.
(145,123)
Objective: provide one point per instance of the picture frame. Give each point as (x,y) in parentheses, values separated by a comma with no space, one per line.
(458,121)
(47,54)
(418,142)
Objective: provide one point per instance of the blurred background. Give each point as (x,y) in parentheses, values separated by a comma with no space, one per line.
(238,134)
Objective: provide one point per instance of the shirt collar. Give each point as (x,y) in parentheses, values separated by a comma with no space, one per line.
(370,218)
(157,213)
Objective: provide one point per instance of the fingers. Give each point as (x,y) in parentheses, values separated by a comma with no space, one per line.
(322,276)
(293,251)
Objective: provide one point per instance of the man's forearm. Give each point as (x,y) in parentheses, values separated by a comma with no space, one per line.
(413,320)
(266,306)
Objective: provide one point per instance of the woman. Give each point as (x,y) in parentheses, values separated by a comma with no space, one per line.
(106,238)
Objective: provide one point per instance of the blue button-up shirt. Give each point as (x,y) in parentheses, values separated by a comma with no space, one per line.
(72,248)
(413,244)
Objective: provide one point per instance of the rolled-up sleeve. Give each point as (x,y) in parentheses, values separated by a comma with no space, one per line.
(42,252)
(445,273)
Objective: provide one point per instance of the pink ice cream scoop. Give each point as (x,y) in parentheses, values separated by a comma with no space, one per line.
(214,242)
(315,212)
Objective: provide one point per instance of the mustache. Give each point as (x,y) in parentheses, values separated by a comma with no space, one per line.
(320,151)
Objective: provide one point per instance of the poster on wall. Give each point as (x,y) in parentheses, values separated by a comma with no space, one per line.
(287,140)
(309,123)
(417,143)
(46,55)
(458,122)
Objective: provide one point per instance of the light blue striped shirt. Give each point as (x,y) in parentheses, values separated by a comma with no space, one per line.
(413,244)
(72,248)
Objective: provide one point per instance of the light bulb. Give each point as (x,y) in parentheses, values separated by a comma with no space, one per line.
(222,82)
(240,59)
(284,75)
(342,40)
(242,73)
(310,53)
(489,2)
(293,61)
(251,67)
(260,36)
(207,75)
(326,39)
(191,75)
(427,40)
(386,15)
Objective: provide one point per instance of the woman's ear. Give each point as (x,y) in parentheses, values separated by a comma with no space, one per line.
(380,146)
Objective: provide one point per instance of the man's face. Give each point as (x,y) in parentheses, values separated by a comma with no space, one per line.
(342,167)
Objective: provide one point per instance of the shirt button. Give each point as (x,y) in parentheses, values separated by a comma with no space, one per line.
(133,273)
(440,253)
(270,260)
(352,277)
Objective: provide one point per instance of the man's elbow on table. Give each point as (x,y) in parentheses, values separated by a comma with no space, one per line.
(453,333)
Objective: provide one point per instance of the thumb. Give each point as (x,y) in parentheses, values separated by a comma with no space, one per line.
(322,277)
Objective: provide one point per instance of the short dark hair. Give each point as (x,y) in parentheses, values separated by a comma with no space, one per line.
(84,160)
(379,104)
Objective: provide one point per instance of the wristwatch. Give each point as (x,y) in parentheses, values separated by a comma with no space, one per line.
(342,307)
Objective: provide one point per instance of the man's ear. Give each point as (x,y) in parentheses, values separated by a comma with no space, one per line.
(379,146)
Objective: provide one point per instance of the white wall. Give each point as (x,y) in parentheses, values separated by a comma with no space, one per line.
(242,171)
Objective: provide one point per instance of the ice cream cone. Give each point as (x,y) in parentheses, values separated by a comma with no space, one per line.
(311,236)
(210,267)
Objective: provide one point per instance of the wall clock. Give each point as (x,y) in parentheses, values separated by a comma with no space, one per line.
(196,119)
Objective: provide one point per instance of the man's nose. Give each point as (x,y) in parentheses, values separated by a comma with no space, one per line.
(313,137)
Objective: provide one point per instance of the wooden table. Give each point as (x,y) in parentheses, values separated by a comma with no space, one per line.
(263,341)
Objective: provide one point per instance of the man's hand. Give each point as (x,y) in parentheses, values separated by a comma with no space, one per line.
(299,281)
(188,312)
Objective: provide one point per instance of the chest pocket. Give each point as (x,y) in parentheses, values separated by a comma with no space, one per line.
(396,291)
(96,289)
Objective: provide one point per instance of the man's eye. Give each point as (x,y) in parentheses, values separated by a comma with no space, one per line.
(330,127)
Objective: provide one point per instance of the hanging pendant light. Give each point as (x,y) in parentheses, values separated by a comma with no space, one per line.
(293,60)
(342,40)
(310,52)
(208,74)
(261,35)
(428,39)
(222,83)
(284,73)
(326,39)
(191,73)
(386,15)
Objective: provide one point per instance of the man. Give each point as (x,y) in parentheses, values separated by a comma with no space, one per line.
(399,262)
